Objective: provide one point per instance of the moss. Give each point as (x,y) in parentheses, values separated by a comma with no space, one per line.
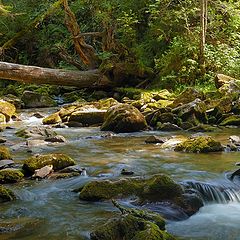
(152,232)
(52,119)
(202,144)
(106,189)
(124,118)
(10,175)
(202,128)
(105,104)
(232,120)
(129,227)
(159,187)
(2,118)
(88,117)
(7,109)
(58,160)
(4,153)
(6,194)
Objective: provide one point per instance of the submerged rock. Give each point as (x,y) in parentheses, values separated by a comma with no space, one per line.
(124,118)
(4,153)
(10,175)
(39,132)
(157,188)
(202,144)
(58,160)
(6,195)
(52,119)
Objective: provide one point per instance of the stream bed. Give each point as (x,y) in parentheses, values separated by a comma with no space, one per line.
(58,213)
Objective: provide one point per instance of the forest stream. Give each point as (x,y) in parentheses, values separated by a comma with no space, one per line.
(58,213)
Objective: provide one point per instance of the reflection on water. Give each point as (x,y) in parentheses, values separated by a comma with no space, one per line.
(64,216)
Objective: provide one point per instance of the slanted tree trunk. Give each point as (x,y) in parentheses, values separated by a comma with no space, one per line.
(38,75)
(203,20)
(85,51)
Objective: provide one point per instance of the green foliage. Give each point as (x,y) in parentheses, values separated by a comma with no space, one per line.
(163,35)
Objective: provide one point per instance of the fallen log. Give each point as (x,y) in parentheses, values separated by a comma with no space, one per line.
(38,75)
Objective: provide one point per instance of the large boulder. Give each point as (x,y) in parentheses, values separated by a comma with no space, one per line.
(88,118)
(133,225)
(124,118)
(34,100)
(6,194)
(7,109)
(157,188)
(193,112)
(202,144)
(58,160)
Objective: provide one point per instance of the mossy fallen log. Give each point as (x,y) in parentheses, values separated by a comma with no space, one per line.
(38,75)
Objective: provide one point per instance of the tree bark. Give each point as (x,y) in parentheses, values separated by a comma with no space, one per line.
(203,20)
(38,75)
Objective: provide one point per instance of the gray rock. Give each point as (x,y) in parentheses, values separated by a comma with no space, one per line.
(155,139)
(56,139)
(43,172)
(6,163)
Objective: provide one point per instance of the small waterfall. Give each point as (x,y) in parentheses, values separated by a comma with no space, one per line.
(214,193)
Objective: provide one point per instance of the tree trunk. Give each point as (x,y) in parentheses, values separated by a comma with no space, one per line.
(38,75)
(203,20)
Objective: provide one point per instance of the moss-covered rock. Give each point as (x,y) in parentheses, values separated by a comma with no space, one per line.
(124,118)
(193,112)
(165,189)
(6,194)
(58,160)
(133,225)
(187,96)
(161,187)
(52,119)
(2,118)
(90,117)
(231,120)
(105,104)
(38,132)
(9,175)
(33,99)
(4,153)
(201,144)
(7,109)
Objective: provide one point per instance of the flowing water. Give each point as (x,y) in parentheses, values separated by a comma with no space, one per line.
(56,212)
